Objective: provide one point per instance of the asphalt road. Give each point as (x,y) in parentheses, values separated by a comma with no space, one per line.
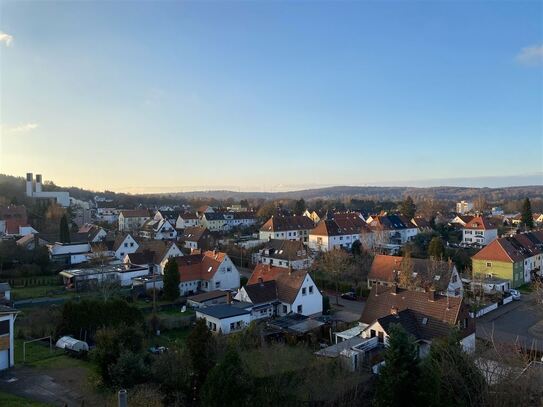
(518,322)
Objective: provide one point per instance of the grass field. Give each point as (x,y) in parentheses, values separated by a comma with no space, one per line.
(9,400)
(24,293)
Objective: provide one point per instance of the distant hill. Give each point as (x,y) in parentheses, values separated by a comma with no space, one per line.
(11,186)
(377,193)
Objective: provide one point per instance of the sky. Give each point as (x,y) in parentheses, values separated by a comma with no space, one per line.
(163,96)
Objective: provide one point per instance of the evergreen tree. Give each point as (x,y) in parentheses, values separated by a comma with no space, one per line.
(526,215)
(201,349)
(64,230)
(398,378)
(227,384)
(171,280)
(449,377)
(299,207)
(408,208)
(436,248)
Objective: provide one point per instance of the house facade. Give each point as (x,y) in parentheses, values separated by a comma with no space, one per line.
(186,220)
(286,227)
(479,231)
(208,271)
(7,335)
(415,274)
(337,231)
(132,219)
(515,258)
(284,253)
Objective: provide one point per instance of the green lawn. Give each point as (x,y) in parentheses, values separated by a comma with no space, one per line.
(10,400)
(35,292)
(170,337)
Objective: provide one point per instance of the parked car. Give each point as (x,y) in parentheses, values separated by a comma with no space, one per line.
(515,294)
(351,296)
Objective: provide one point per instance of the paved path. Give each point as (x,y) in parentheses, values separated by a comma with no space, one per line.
(516,322)
(29,383)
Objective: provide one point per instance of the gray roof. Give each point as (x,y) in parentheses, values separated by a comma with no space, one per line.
(223,311)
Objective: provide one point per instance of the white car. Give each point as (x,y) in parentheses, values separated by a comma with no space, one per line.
(515,294)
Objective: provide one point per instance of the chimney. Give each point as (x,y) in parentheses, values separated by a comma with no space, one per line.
(431,295)
(228,297)
(29,188)
(393,310)
(38,182)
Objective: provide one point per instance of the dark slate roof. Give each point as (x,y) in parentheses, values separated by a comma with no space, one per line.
(283,223)
(210,295)
(262,292)
(223,311)
(285,249)
(406,319)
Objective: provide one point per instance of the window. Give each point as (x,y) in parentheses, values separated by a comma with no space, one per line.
(489,264)
(284,309)
(4,327)
(217,284)
(299,309)
(126,245)
(131,244)
(304,291)
(454,278)
(310,289)
(232,325)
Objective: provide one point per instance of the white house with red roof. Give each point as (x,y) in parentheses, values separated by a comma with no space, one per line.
(208,271)
(479,231)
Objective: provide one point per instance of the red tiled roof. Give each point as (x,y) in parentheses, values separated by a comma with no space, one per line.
(199,266)
(480,223)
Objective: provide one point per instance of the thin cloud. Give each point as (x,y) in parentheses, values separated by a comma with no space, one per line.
(531,56)
(20,129)
(6,39)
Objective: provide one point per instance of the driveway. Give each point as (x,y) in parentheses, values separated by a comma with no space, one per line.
(348,311)
(517,322)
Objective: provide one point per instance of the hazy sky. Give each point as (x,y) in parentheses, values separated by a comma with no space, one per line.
(147,96)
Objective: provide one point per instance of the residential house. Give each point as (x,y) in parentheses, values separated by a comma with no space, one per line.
(464,207)
(425,274)
(90,278)
(69,253)
(314,215)
(14,221)
(515,258)
(91,233)
(479,231)
(106,211)
(186,220)
(425,315)
(160,229)
(225,318)
(131,220)
(461,220)
(336,231)
(154,253)
(31,241)
(207,271)
(225,221)
(209,298)
(422,224)
(204,209)
(196,238)
(284,253)
(167,214)
(280,292)
(286,227)
(7,336)
(390,232)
